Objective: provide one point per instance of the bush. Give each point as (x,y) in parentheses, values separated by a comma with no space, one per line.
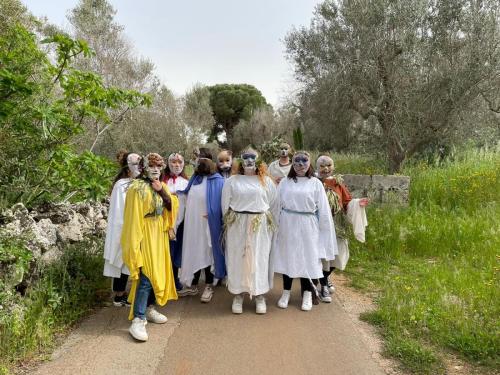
(63,293)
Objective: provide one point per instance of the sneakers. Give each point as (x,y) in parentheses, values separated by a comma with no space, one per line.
(188,291)
(283,301)
(324,294)
(121,300)
(138,329)
(331,288)
(307,301)
(237,304)
(154,316)
(260,305)
(207,294)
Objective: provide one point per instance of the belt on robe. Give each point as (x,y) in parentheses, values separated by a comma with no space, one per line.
(314,213)
(249,212)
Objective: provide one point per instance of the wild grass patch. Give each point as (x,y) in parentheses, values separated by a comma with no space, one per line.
(436,266)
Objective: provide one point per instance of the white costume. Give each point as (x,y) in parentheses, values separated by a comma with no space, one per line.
(277,171)
(247,206)
(197,246)
(113,262)
(306,233)
(179,184)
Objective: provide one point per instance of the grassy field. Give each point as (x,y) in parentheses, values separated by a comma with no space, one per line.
(434,265)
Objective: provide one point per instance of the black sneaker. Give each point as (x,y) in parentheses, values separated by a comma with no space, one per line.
(119,301)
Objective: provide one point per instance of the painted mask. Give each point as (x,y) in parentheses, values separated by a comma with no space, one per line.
(284,149)
(325,166)
(301,164)
(224,161)
(176,163)
(249,160)
(133,162)
(153,165)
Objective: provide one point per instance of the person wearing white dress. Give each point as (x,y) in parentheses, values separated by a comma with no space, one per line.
(306,233)
(176,180)
(113,262)
(248,197)
(280,168)
(202,241)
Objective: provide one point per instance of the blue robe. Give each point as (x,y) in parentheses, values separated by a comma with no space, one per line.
(215,182)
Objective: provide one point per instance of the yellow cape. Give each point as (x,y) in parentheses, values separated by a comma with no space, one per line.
(145,242)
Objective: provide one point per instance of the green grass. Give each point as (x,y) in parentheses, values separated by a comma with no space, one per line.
(60,295)
(435,265)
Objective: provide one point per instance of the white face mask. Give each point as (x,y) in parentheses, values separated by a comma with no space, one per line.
(249,161)
(284,151)
(176,164)
(153,172)
(133,161)
(224,164)
(301,164)
(324,166)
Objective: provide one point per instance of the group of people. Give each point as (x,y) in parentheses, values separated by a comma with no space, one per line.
(234,220)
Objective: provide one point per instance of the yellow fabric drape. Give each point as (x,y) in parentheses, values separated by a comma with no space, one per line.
(145,242)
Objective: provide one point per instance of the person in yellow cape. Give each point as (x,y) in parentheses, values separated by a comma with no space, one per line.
(149,217)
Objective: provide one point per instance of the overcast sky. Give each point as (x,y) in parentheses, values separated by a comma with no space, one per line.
(217,41)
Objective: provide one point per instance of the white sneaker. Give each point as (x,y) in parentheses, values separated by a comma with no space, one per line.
(237,304)
(207,294)
(154,316)
(283,301)
(324,294)
(138,329)
(260,305)
(331,288)
(307,301)
(188,291)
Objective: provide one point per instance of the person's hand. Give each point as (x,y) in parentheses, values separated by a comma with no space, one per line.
(363,202)
(171,234)
(156,185)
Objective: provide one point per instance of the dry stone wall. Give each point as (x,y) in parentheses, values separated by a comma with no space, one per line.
(380,189)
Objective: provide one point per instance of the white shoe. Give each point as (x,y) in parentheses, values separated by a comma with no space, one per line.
(331,288)
(188,291)
(237,304)
(207,294)
(154,316)
(283,301)
(138,329)
(307,301)
(260,305)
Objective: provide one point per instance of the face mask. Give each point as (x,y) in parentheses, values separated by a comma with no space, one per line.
(224,164)
(301,164)
(176,164)
(284,150)
(325,166)
(153,172)
(133,161)
(249,161)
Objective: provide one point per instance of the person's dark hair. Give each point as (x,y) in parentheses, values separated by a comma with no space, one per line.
(293,175)
(206,166)
(121,158)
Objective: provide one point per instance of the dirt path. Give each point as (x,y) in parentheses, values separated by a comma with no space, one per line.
(209,339)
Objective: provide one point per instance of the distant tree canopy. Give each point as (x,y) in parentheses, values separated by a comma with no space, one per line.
(231,103)
(398,75)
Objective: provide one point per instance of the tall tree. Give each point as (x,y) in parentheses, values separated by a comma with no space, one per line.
(406,71)
(231,103)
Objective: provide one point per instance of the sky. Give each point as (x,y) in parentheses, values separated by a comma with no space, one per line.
(207,42)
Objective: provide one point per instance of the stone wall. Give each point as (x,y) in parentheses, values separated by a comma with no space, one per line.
(380,189)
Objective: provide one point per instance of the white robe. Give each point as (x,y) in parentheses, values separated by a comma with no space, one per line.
(197,245)
(306,233)
(249,237)
(113,262)
(277,171)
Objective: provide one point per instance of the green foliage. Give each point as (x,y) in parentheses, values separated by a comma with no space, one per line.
(298,139)
(231,103)
(270,150)
(435,264)
(43,106)
(64,292)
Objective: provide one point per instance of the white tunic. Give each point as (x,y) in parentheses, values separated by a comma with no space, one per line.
(196,245)
(306,233)
(180,184)
(113,262)
(278,171)
(249,236)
